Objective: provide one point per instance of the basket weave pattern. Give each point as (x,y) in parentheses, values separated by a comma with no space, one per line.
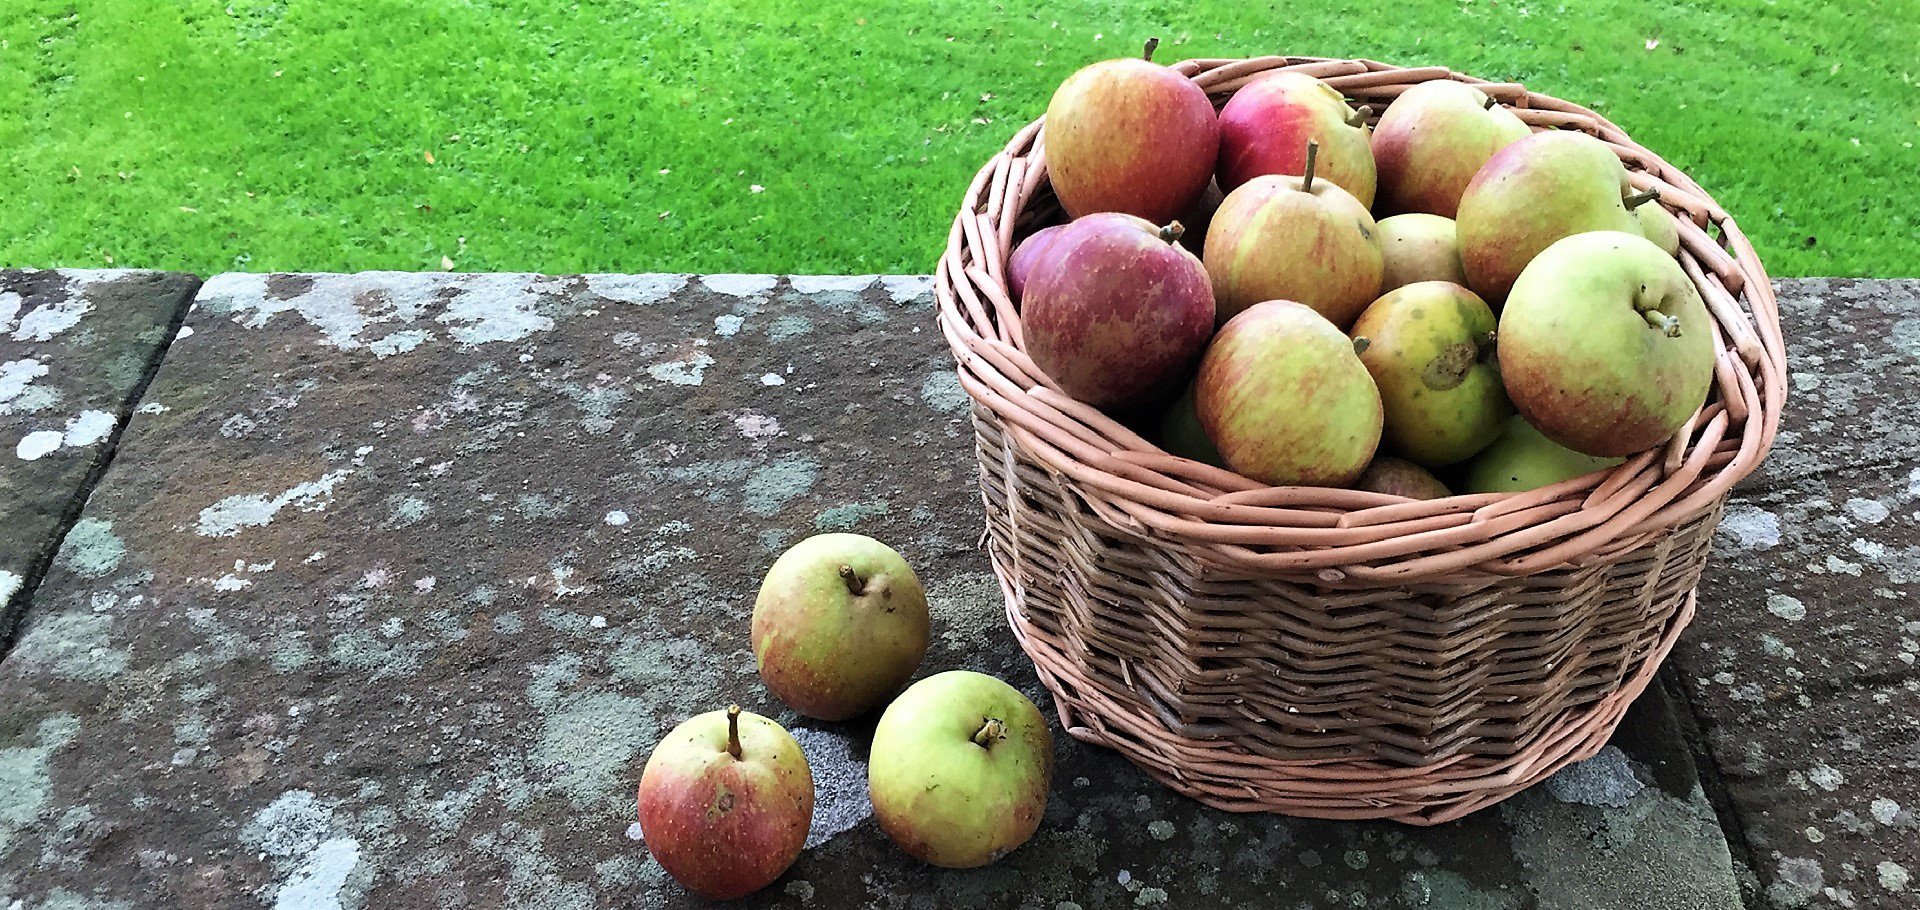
(1337,653)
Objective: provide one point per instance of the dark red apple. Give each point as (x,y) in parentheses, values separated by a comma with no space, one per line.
(1130,136)
(726,801)
(1026,253)
(1266,126)
(1117,311)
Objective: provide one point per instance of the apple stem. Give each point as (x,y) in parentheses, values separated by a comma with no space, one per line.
(1634,201)
(1484,344)
(855,586)
(1663,322)
(733,731)
(1152,43)
(1171,233)
(1360,115)
(992,730)
(1491,101)
(1361,344)
(1306,179)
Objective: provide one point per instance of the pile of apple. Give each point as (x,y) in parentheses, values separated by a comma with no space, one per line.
(960,762)
(1516,318)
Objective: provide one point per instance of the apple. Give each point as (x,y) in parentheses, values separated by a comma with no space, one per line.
(1286,400)
(1657,225)
(1429,347)
(1432,139)
(1522,459)
(1538,190)
(1399,477)
(1266,125)
(839,626)
(1199,217)
(726,801)
(1605,345)
(1419,247)
(1294,238)
(960,767)
(1028,253)
(1117,311)
(1181,433)
(1130,136)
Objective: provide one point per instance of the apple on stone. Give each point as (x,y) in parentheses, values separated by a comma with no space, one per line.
(1294,238)
(839,626)
(1605,344)
(1026,254)
(1400,477)
(1130,136)
(1545,187)
(1285,399)
(1430,348)
(1419,247)
(1431,141)
(1116,311)
(960,768)
(726,801)
(1522,459)
(1266,125)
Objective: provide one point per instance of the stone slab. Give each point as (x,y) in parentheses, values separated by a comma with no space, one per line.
(397,578)
(75,348)
(1802,662)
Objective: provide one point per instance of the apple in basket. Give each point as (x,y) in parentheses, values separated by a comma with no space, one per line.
(1285,399)
(1430,348)
(1419,247)
(1025,254)
(959,769)
(726,801)
(1605,345)
(1399,477)
(1117,311)
(1294,238)
(1130,136)
(839,626)
(1533,192)
(1522,459)
(1266,125)
(1432,139)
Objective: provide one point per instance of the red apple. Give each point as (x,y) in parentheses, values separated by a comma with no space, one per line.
(1117,311)
(1026,254)
(1130,136)
(1294,238)
(1285,399)
(1265,128)
(726,801)
(839,626)
(1433,139)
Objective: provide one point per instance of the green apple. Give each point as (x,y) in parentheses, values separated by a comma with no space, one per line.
(960,767)
(1657,225)
(839,626)
(1429,347)
(1399,477)
(1419,247)
(726,801)
(1605,344)
(1182,434)
(1522,459)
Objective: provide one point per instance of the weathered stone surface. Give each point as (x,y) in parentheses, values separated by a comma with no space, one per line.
(1801,664)
(397,578)
(75,347)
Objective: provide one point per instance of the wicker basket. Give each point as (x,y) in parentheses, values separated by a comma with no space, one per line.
(1328,652)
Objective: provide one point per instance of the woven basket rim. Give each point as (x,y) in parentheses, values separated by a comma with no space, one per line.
(1348,536)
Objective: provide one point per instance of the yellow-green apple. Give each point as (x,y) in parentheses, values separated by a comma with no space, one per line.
(1522,459)
(1130,136)
(1294,238)
(1538,190)
(1657,225)
(1419,247)
(839,626)
(1182,434)
(1399,477)
(1266,125)
(1282,394)
(1026,254)
(1605,345)
(725,803)
(960,767)
(1117,311)
(1429,347)
(1432,139)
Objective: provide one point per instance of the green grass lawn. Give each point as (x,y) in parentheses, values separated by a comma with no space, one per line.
(823,136)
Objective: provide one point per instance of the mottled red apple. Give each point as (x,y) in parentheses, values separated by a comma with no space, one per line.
(1130,136)
(1026,254)
(1265,128)
(1432,140)
(1294,238)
